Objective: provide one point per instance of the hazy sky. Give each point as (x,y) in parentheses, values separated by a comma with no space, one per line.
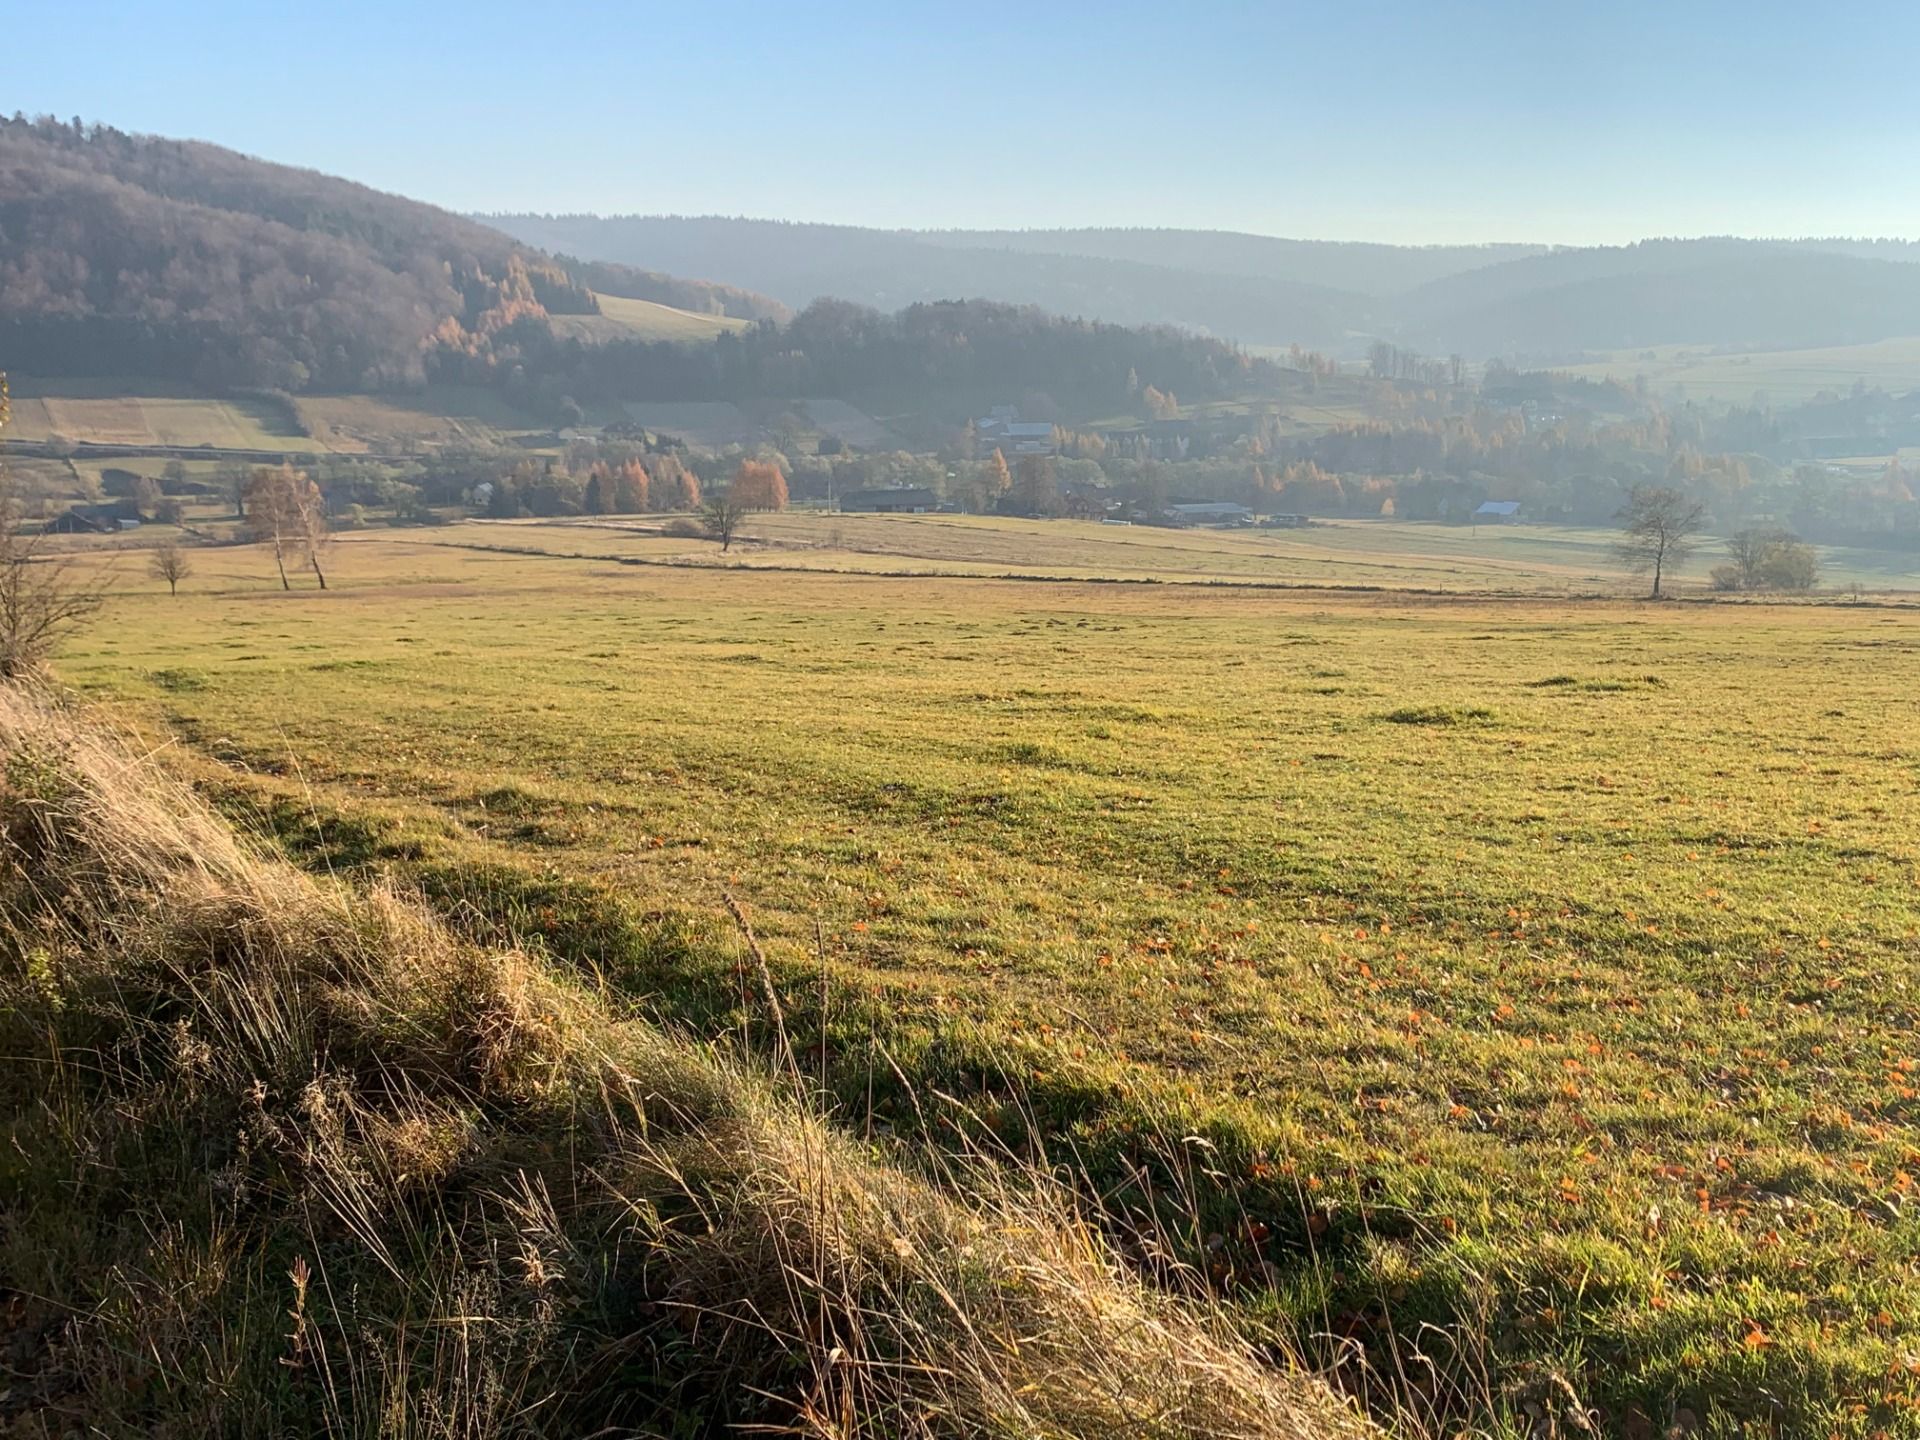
(1339,119)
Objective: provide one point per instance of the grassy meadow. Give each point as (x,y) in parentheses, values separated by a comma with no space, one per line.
(1519,983)
(1375,554)
(142,413)
(1784,377)
(621,318)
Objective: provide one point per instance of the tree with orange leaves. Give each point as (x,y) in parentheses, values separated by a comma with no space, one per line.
(759,485)
(630,486)
(674,486)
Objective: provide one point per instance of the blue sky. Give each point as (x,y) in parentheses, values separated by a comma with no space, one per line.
(1439,121)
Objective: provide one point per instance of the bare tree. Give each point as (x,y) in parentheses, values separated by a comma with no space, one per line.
(315,535)
(171,564)
(1660,525)
(1770,558)
(723,514)
(286,510)
(42,597)
(268,513)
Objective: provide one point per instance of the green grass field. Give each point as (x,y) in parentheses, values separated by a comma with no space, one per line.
(150,412)
(624,319)
(1520,985)
(1533,559)
(142,412)
(1785,377)
(439,415)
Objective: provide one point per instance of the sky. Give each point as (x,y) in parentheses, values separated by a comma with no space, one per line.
(1438,121)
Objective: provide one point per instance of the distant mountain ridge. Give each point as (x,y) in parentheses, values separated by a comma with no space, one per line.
(1362,267)
(1524,301)
(799,262)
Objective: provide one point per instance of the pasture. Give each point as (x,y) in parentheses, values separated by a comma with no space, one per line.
(156,413)
(1529,559)
(142,413)
(624,319)
(439,415)
(1520,985)
(1783,377)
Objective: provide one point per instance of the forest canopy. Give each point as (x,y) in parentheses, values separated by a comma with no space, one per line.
(130,254)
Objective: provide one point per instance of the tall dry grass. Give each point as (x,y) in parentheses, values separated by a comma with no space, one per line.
(284,1157)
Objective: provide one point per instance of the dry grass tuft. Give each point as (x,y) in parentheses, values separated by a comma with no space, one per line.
(286,1157)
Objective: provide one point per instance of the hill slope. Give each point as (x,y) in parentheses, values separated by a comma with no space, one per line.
(888,270)
(497,1207)
(1358,266)
(1740,294)
(1480,301)
(132,254)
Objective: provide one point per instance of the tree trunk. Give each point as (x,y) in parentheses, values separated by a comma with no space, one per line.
(1658,561)
(280,559)
(319,574)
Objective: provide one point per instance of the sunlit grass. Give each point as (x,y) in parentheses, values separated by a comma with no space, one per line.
(1537,969)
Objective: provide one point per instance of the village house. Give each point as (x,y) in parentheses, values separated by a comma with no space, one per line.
(1207,512)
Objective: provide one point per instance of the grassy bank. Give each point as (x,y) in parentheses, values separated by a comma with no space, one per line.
(290,1157)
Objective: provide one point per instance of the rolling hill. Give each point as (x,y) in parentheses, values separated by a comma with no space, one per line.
(1521,301)
(129,254)
(798,263)
(1360,267)
(1733,294)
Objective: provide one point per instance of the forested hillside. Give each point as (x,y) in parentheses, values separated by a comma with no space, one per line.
(887,270)
(1739,294)
(130,254)
(940,358)
(1361,267)
(1527,302)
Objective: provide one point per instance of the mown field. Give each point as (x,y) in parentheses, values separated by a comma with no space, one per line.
(142,413)
(1532,559)
(624,319)
(1516,992)
(138,411)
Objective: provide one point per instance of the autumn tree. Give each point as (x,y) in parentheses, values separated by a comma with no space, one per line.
(630,486)
(994,479)
(1159,404)
(597,498)
(1660,525)
(1036,491)
(169,562)
(286,510)
(674,486)
(758,485)
(722,515)
(146,496)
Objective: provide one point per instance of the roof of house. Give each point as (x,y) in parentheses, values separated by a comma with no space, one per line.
(1208,507)
(1499,507)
